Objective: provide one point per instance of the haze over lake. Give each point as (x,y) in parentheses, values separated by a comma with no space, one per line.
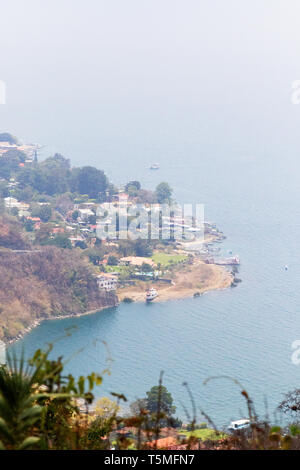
(207,94)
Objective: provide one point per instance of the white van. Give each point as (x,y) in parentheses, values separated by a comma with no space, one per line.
(239,425)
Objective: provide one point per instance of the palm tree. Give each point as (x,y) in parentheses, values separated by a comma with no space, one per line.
(19,411)
(38,403)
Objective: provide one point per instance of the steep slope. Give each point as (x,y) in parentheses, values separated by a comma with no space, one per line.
(40,285)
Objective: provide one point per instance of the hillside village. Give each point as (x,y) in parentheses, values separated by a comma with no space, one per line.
(56,205)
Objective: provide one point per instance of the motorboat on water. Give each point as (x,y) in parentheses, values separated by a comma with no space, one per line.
(154,166)
(151,294)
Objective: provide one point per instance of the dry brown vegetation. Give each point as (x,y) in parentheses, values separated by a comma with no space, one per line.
(10,234)
(41,284)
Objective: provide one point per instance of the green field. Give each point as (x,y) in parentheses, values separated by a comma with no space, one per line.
(115,269)
(203,434)
(165,259)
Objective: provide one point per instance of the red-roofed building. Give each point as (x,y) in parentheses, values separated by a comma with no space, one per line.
(34,219)
(58,230)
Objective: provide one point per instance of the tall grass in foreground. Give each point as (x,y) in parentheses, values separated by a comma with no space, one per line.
(42,408)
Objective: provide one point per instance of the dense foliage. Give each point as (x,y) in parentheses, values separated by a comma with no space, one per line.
(163,193)
(53,176)
(6,137)
(43,408)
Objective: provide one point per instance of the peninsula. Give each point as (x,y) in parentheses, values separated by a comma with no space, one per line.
(54,264)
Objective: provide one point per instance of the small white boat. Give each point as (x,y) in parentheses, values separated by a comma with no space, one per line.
(154,166)
(151,294)
(239,425)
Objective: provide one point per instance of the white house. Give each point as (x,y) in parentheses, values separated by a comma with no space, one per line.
(107,282)
(2,353)
(11,202)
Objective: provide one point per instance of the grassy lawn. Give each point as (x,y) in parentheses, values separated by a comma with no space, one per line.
(166,259)
(116,269)
(204,434)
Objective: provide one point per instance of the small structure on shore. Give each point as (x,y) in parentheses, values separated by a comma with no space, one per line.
(2,353)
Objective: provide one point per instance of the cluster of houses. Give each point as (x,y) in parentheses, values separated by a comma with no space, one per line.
(28,149)
(13,203)
(83,227)
(23,209)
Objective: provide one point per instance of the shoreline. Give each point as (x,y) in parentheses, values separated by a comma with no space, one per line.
(197,278)
(166,294)
(38,322)
(191,280)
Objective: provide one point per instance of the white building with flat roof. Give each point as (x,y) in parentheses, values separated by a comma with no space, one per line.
(107,282)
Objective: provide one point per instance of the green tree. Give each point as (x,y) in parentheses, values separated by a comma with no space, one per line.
(89,180)
(135,184)
(146,268)
(75,215)
(125,247)
(52,176)
(112,260)
(92,220)
(14,211)
(163,193)
(81,244)
(61,240)
(132,188)
(9,162)
(45,213)
(6,137)
(29,225)
(24,194)
(95,255)
(166,400)
(142,248)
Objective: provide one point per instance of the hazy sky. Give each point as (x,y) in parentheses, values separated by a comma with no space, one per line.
(159,44)
(144,63)
(138,46)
